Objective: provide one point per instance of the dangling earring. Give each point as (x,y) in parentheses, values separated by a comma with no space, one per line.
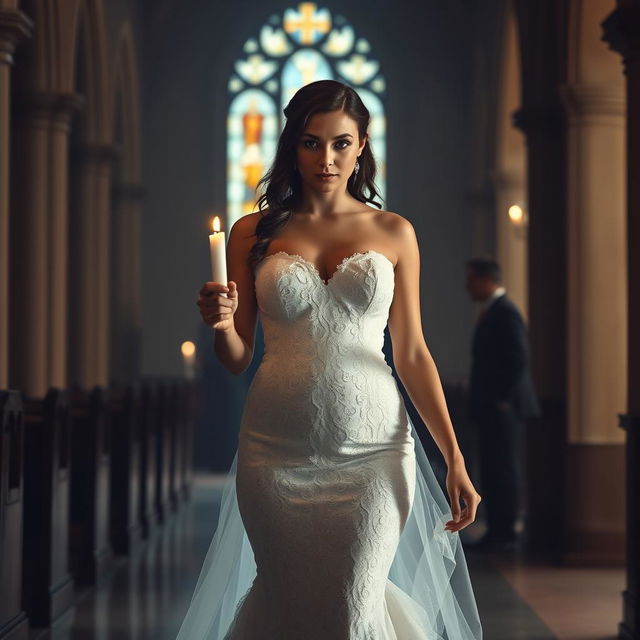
(357,167)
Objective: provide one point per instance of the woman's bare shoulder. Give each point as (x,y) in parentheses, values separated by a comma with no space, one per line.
(246,224)
(395,223)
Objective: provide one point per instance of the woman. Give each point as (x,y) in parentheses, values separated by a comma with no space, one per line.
(339,529)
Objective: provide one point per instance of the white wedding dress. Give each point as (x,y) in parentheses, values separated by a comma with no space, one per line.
(332,527)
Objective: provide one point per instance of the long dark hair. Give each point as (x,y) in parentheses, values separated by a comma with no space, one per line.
(283,181)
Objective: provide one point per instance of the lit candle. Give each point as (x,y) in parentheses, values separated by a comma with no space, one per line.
(217,248)
(188,350)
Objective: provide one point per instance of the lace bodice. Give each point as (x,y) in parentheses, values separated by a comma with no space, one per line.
(323,342)
(350,311)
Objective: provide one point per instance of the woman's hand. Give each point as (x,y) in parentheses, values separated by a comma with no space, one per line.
(216,310)
(459,486)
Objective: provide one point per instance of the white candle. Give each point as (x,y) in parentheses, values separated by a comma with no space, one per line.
(188,350)
(217,248)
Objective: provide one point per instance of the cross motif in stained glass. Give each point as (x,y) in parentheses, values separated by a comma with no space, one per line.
(307,24)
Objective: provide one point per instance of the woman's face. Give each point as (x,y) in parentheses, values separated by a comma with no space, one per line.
(329,145)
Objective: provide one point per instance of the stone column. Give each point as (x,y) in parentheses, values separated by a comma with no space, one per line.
(104,155)
(126,313)
(14,26)
(29,259)
(543,122)
(622,32)
(39,249)
(597,321)
(58,251)
(90,242)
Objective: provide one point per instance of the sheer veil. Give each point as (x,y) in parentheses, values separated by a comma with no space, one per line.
(429,567)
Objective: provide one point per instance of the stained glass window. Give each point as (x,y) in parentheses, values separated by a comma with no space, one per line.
(299,46)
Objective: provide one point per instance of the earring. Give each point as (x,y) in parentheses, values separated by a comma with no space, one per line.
(357,167)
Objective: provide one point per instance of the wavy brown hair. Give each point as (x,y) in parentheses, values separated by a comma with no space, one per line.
(283,190)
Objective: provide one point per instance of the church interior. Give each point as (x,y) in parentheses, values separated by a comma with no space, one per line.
(503,128)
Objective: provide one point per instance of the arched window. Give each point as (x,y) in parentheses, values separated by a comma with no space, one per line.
(300,46)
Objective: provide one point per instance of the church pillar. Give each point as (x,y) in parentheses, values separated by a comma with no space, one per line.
(597,321)
(509,177)
(58,213)
(29,306)
(542,121)
(90,238)
(622,32)
(126,311)
(39,229)
(14,26)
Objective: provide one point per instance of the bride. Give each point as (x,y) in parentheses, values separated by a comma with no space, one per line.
(333,526)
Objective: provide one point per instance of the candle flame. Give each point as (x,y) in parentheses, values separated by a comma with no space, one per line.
(216,224)
(188,348)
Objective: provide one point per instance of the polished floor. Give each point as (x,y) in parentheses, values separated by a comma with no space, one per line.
(146,595)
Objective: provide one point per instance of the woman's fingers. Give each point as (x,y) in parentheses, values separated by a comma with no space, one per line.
(473,503)
(213,287)
(212,302)
(455,506)
(467,513)
(215,309)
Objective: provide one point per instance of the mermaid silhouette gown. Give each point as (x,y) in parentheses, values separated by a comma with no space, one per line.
(334,525)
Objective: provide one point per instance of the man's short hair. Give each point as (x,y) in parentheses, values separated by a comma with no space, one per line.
(485,268)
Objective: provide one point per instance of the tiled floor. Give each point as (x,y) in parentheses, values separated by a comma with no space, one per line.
(146,596)
(576,603)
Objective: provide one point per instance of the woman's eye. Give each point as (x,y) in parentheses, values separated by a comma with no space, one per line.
(344,144)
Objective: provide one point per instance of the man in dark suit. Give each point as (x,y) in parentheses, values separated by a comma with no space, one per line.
(501,398)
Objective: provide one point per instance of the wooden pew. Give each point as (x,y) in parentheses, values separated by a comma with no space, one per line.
(48,589)
(13,620)
(163,444)
(126,468)
(175,449)
(148,442)
(90,546)
(186,405)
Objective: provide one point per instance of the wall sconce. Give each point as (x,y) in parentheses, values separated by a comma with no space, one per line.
(519,220)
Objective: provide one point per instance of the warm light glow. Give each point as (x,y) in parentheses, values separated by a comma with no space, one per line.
(516,214)
(188,348)
(216,224)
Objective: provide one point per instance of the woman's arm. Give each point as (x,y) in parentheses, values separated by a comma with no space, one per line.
(418,373)
(412,359)
(234,330)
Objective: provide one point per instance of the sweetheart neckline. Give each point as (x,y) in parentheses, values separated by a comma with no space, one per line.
(341,266)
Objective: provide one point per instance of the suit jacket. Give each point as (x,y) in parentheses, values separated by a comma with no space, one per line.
(500,368)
